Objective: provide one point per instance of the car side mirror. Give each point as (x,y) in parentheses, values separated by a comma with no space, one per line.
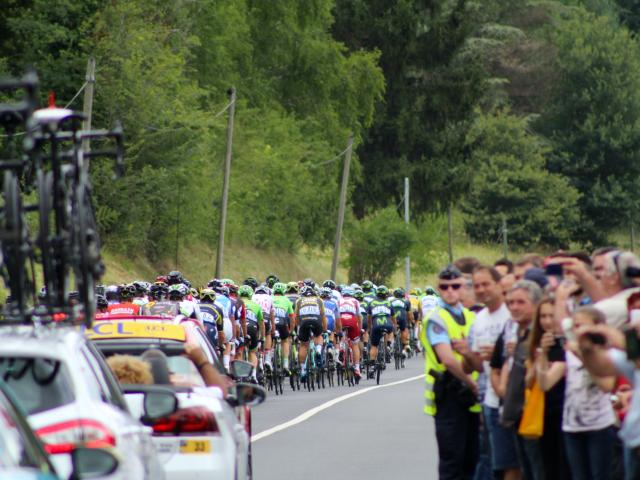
(241,369)
(158,401)
(92,463)
(249,394)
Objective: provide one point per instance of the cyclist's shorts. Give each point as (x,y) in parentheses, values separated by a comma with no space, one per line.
(267,326)
(307,327)
(378,332)
(402,323)
(212,332)
(283,321)
(365,322)
(331,323)
(283,330)
(252,331)
(228,330)
(351,323)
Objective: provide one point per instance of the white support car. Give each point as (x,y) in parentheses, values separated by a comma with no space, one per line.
(203,438)
(71,398)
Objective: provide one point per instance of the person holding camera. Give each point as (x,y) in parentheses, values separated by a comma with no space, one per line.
(451,394)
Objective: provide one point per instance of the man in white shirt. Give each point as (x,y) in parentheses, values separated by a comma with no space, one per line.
(490,322)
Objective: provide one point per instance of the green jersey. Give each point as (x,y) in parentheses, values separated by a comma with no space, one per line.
(253,311)
(283,309)
(381,312)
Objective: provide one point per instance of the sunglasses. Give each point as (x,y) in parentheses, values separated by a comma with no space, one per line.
(455,286)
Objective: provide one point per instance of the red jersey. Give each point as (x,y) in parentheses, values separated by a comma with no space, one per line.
(349,307)
(123,309)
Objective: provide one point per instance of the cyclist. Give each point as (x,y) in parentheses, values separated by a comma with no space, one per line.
(358,294)
(369,291)
(142,289)
(160,304)
(263,298)
(430,302)
(351,318)
(213,319)
(254,326)
(404,316)
(188,308)
(292,292)
(174,278)
(101,306)
(271,280)
(284,320)
(312,321)
(332,312)
(335,291)
(112,293)
(382,320)
(125,306)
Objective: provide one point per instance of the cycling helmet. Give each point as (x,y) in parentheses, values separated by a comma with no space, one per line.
(429,290)
(126,292)
(161,279)
(309,282)
(358,295)
(263,289)
(194,293)
(271,280)
(100,289)
(112,293)
(326,292)
(279,288)
(245,291)
(42,294)
(292,287)
(174,278)
(187,283)
(178,291)
(398,292)
(348,292)
(158,290)
(226,281)
(214,283)
(101,302)
(382,291)
(308,291)
(74,295)
(367,286)
(233,289)
(329,284)
(207,295)
(223,290)
(141,287)
(252,282)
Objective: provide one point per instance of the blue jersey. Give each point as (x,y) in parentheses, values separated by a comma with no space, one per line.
(331,311)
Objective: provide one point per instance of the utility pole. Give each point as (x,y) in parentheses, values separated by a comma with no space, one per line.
(87,108)
(225,181)
(505,237)
(450,230)
(407,260)
(343,201)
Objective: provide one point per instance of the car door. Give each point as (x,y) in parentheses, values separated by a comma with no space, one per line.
(138,437)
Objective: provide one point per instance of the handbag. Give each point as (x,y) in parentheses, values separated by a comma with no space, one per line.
(532,422)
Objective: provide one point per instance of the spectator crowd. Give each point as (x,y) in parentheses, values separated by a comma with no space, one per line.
(532,369)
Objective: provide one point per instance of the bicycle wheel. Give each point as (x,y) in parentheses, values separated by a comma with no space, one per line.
(15,246)
(380,360)
(87,262)
(348,371)
(44,184)
(396,352)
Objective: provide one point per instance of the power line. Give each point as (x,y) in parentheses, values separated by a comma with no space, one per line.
(338,156)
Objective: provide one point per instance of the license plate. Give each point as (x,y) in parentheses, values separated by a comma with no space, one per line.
(195,446)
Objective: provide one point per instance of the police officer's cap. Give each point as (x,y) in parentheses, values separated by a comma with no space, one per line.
(450,272)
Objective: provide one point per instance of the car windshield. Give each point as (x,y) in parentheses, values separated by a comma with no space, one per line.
(39,383)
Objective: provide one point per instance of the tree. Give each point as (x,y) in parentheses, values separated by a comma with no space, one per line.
(593,121)
(376,245)
(511,183)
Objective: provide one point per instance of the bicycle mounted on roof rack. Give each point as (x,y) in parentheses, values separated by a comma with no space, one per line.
(53,163)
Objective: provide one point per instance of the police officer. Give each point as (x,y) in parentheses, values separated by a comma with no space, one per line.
(451,391)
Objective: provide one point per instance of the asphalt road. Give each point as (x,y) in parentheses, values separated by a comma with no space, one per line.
(378,433)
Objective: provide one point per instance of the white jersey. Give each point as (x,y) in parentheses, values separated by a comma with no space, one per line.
(428,304)
(266,304)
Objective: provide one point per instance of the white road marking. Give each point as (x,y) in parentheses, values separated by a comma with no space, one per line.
(310,413)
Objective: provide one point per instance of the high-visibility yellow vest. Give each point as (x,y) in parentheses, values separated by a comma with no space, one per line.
(431,361)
